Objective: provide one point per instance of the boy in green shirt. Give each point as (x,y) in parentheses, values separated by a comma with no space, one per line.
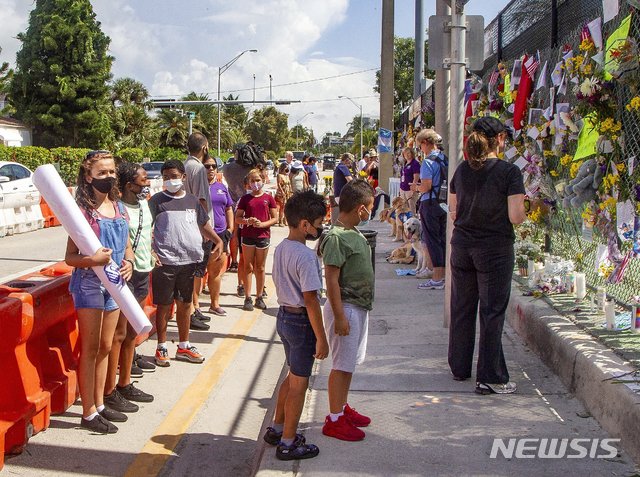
(350,281)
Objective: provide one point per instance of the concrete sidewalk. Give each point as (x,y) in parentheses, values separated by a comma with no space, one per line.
(424,423)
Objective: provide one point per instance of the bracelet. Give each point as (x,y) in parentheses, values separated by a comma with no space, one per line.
(130,261)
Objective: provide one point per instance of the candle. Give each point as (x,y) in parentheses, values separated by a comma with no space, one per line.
(531,267)
(581,285)
(601,297)
(610,314)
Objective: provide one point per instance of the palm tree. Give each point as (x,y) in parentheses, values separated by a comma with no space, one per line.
(174,128)
(129,91)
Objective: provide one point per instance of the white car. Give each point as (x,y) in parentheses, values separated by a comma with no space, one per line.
(16,184)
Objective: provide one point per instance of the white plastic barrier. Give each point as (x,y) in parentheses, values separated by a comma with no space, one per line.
(394,187)
(20,213)
(54,191)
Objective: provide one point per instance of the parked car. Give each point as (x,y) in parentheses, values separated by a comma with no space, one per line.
(328,163)
(15,180)
(270,165)
(153,169)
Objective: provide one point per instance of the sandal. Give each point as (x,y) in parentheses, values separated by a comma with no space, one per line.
(218,311)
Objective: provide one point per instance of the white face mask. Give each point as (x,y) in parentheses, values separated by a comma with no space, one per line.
(173,185)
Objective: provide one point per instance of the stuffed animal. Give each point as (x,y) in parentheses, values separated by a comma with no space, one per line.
(584,186)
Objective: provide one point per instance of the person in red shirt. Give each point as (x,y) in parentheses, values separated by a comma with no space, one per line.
(256,212)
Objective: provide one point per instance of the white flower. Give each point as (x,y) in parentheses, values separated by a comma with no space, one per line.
(590,86)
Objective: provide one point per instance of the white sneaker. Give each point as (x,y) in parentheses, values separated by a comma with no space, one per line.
(426,273)
(432,285)
(485,388)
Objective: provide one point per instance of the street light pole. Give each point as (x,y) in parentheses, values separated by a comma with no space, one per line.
(221,70)
(360,107)
(270,90)
(297,127)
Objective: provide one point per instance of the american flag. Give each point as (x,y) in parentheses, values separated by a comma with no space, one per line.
(618,274)
(585,34)
(531,65)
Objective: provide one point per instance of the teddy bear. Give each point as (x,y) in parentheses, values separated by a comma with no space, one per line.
(584,186)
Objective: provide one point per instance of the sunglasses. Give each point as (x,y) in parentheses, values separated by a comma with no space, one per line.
(210,166)
(92,154)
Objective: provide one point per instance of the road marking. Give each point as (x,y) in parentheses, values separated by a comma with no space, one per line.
(154,455)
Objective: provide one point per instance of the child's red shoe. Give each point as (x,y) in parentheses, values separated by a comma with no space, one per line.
(342,429)
(355,417)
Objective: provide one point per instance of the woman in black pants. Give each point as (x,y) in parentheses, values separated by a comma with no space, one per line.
(486,199)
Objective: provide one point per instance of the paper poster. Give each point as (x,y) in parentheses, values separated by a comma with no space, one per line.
(562,108)
(625,218)
(614,41)
(521,163)
(535,115)
(556,74)
(631,164)
(533,133)
(610,9)
(542,79)
(598,58)
(595,29)
(516,73)
(587,139)
(385,139)
(562,89)
(587,231)
(511,153)
(636,237)
(602,259)
(548,113)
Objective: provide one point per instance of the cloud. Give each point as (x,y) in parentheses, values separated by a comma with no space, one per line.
(177,48)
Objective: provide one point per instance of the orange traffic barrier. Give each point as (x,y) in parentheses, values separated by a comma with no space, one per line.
(50,220)
(38,353)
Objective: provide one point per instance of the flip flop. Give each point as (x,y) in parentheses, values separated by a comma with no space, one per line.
(218,311)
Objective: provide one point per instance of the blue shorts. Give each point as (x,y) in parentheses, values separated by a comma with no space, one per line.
(299,342)
(88,291)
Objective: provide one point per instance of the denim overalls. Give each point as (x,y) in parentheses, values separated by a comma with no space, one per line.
(85,286)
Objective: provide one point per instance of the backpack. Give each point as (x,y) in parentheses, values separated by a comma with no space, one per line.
(442,190)
(251,155)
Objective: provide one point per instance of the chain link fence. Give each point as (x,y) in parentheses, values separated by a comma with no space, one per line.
(528,26)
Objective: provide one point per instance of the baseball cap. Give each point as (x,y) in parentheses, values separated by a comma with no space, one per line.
(373,153)
(489,126)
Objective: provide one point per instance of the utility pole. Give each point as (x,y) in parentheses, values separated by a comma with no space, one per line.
(458,65)
(418,58)
(442,87)
(254,87)
(385,168)
(270,90)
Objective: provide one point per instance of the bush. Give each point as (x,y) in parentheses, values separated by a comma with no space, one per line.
(131,154)
(69,160)
(165,153)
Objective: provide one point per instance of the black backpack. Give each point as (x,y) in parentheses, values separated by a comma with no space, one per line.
(251,155)
(442,189)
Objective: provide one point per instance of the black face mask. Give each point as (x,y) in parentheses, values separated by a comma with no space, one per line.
(104,185)
(319,231)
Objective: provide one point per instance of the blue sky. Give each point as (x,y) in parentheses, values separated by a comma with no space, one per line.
(174,47)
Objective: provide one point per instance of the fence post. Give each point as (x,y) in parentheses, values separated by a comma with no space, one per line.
(500,36)
(554,23)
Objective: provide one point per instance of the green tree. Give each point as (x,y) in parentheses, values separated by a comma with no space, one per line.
(235,115)
(131,123)
(6,74)
(62,69)
(403,51)
(174,128)
(268,127)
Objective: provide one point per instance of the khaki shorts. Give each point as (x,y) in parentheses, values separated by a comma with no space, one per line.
(347,351)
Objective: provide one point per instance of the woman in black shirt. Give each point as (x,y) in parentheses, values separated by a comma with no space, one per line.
(487,198)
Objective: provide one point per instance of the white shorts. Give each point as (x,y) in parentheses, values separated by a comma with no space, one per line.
(347,351)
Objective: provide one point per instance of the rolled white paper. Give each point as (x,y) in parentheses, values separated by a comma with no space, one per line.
(610,314)
(50,185)
(581,286)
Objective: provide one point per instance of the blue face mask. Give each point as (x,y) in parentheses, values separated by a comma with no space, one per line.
(364,223)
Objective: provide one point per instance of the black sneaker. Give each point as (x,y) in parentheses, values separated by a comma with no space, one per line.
(132,393)
(98,424)
(201,316)
(240,291)
(117,402)
(248,304)
(136,371)
(296,451)
(260,303)
(198,325)
(264,292)
(112,415)
(272,437)
(233,268)
(143,364)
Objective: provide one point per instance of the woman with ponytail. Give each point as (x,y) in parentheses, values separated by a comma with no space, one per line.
(486,199)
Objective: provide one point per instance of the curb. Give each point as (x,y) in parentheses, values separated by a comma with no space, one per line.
(585,366)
